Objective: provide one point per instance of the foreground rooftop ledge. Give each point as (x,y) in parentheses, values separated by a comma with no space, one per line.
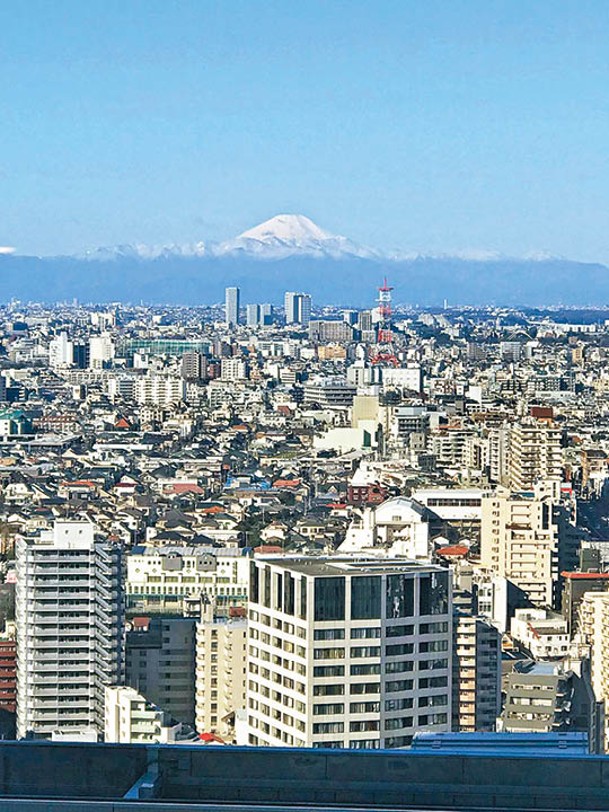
(155,777)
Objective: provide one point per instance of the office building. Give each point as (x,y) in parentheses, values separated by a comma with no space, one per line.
(70,629)
(231,306)
(297,308)
(233,369)
(194,366)
(347,652)
(538,699)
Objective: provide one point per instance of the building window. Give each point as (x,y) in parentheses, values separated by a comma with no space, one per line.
(288,594)
(329,654)
(366,597)
(399,704)
(400,596)
(365,744)
(329,709)
(329,671)
(365,633)
(365,707)
(399,649)
(329,599)
(399,631)
(328,690)
(328,727)
(434,593)
(329,634)
(365,669)
(303,599)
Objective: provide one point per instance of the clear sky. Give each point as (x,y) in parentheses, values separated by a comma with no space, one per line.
(428,125)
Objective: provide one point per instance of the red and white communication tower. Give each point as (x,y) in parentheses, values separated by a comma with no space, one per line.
(385,350)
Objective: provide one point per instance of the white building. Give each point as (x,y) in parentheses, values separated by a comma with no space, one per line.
(70,628)
(101,351)
(233,369)
(347,652)
(297,308)
(159,390)
(61,351)
(131,719)
(231,306)
(409,377)
(545,635)
(161,577)
(221,673)
(398,527)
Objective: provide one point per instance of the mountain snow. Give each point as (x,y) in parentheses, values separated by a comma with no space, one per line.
(282,236)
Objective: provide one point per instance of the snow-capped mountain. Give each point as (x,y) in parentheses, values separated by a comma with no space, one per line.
(143,251)
(289,234)
(291,252)
(282,236)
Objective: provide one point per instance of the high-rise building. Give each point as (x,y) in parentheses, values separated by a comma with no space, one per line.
(252,315)
(347,652)
(476,674)
(297,308)
(528,539)
(61,351)
(70,628)
(101,351)
(221,674)
(232,306)
(266,314)
(234,369)
(535,453)
(194,366)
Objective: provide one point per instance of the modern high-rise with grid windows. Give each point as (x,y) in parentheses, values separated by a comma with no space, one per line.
(347,651)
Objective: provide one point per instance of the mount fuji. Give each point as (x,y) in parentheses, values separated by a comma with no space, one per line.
(291,252)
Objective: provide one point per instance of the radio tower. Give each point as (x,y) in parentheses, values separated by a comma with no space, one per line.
(385,350)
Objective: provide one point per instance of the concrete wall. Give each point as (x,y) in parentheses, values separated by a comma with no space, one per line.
(245,776)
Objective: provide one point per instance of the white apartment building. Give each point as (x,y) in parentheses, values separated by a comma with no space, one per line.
(520,541)
(231,306)
(594,625)
(545,635)
(70,628)
(347,651)
(101,350)
(233,369)
(61,351)
(159,578)
(535,453)
(131,719)
(159,390)
(221,672)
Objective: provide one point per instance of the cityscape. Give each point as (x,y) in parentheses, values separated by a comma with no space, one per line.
(304,406)
(303,526)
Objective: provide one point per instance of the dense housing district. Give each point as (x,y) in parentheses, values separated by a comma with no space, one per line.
(303,526)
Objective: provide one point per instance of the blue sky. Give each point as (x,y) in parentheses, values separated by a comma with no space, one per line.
(426,125)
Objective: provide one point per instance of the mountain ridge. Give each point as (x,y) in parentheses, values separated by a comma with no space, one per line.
(290,252)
